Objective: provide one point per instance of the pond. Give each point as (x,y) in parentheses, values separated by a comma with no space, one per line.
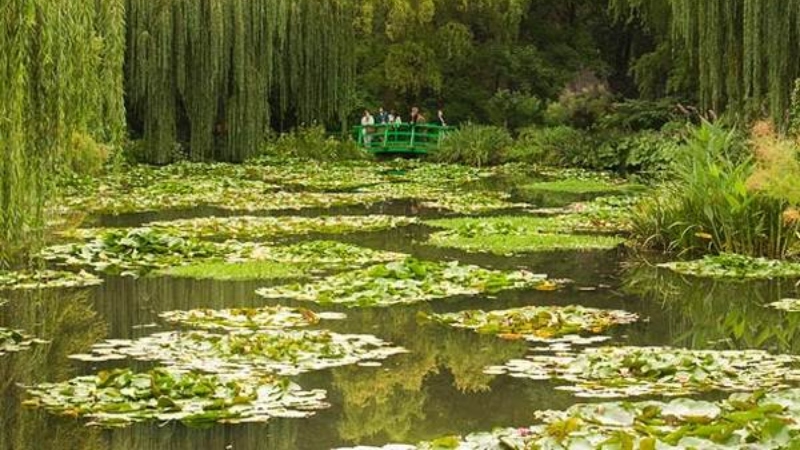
(437,388)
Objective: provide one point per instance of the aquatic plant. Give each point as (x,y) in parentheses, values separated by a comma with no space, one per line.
(471,202)
(264,318)
(508,241)
(321,254)
(45,279)
(710,206)
(741,421)
(121,397)
(251,227)
(405,282)
(132,252)
(283,352)
(15,341)
(548,324)
(637,371)
(582,186)
(787,304)
(239,271)
(736,267)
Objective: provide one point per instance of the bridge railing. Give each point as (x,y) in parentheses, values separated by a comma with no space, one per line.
(400,138)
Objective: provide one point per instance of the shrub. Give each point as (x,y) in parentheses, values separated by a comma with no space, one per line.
(580,109)
(475,145)
(83,155)
(548,145)
(313,143)
(709,207)
(639,115)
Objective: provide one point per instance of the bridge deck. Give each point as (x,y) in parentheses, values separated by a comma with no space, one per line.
(402,138)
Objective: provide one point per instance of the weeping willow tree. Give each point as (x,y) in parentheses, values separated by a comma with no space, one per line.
(745,54)
(61,71)
(211,74)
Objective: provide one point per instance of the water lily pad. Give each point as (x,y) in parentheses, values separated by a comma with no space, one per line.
(549,324)
(608,372)
(252,227)
(321,254)
(122,397)
(45,279)
(735,267)
(787,304)
(132,252)
(286,352)
(741,422)
(405,282)
(265,318)
(12,341)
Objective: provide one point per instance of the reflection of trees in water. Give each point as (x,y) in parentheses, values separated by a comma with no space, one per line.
(722,314)
(392,402)
(275,435)
(69,322)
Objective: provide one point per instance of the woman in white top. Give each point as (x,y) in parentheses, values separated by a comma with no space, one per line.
(366,122)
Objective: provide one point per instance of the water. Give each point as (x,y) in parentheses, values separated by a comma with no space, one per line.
(437,389)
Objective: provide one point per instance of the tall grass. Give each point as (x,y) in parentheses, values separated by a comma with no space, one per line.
(711,206)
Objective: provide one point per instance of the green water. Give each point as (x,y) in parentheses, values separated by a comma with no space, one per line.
(437,389)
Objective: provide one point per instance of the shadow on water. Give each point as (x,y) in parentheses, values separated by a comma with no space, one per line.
(438,388)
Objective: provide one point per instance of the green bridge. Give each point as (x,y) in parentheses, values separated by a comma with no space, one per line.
(403,138)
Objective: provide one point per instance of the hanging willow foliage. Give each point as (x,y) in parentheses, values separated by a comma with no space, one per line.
(745,53)
(61,71)
(209,73)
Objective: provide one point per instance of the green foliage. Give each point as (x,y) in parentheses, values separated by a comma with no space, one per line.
(538,323)
(121,397)
(313,143)
(211,74)
(638,115)
(548,145)
(582,109)
(514,109)
(61,66)
(239,271)
(738,55)
(406,282)
(85,156)
(736,267)
(475,145)
(709,208)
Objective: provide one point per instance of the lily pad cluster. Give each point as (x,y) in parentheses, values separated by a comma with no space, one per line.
(470,202)
(321,254)
(637,371)
(787,304)
(264,318)
(405,282)
(549,324)
(285,352)
(734,266)
(743,421)
(251,227)
(122,397)
(45,279)
(512,235)
(131,252)
(12,341)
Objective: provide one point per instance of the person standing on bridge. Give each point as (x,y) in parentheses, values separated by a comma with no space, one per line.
(367,121)
(416,117)
(440,118)
(382,117)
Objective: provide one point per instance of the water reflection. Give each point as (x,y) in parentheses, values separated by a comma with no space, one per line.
(69,322)
(706,313)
